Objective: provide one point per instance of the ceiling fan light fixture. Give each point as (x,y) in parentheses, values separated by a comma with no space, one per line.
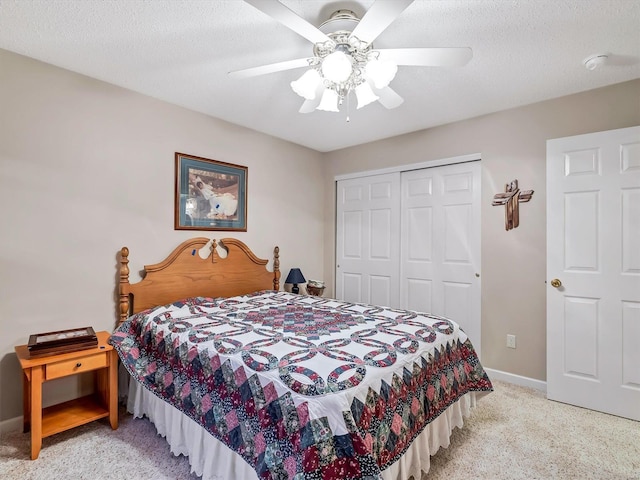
(365,95)
(307,85)
(344,57)
(329,101)
(381,72)
(337,67)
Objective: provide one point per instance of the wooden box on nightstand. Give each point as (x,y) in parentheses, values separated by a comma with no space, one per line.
(102,359)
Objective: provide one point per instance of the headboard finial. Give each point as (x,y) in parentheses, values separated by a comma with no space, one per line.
(124,284)
(276,268)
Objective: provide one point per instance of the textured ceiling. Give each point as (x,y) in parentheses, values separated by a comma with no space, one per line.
(524,51)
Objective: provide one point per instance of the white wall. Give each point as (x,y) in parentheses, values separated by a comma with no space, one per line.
(512,145)
(86,168)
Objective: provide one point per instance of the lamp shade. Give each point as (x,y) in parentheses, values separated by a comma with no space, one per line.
(329,101)
(295,276)
(307,85)
(381,72)
(365,95)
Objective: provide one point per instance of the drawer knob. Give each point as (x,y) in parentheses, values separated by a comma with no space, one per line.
(78,365)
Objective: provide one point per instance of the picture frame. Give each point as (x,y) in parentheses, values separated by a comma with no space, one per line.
(209,194)
(62,341)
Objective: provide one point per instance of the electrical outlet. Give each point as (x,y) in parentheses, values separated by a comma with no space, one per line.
(511,341)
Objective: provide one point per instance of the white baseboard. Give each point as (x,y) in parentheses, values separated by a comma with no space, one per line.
(517,379)
(11,425)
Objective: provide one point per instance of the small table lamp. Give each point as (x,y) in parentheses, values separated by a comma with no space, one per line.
(295,277)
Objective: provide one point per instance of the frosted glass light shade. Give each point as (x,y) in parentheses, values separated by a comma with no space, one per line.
(337,67)
(365,95)
(307,85)
(381,72)
(329,102)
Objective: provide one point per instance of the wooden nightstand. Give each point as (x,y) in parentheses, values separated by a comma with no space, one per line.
(102,359)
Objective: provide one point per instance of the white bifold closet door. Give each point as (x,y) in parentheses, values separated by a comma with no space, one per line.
(411,240)
(440,244)
(368,240)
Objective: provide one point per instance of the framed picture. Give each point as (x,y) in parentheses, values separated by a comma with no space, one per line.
(210,195)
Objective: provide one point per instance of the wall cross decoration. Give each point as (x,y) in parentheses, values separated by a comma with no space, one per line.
(511,199)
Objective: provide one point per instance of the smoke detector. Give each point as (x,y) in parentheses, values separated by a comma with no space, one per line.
(594,61)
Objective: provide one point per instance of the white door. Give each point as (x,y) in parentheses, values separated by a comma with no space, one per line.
(367,241)
(593,271)
(440,244)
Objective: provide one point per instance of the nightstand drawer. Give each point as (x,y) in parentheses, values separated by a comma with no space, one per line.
(78,365)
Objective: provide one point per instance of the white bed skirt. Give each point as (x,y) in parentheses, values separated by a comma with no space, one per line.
(212,460)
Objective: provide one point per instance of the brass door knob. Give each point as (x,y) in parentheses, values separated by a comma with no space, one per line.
(556,283)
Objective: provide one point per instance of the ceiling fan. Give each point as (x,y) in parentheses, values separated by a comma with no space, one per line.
(344,59)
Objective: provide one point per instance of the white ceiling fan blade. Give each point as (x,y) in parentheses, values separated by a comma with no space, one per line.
(387,97)
(271,68)
(427,57)
(310,105)
(289,19)
(381,14)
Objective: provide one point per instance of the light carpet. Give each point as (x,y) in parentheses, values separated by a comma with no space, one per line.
(514,433)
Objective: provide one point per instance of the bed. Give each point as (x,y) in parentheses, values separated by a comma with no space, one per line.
(251,382)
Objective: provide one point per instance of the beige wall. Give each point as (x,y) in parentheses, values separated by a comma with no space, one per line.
(87,167)
(512,145)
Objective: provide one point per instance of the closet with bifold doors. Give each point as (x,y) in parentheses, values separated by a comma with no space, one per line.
(409,238)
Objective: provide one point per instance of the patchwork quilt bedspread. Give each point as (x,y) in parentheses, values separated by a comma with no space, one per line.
(302,387)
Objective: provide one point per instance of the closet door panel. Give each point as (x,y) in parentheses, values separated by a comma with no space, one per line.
(352,287)
(417,240)
(367,241)
(440,252)
(418,295)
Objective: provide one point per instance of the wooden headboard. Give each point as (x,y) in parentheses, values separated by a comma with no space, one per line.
(184,273)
